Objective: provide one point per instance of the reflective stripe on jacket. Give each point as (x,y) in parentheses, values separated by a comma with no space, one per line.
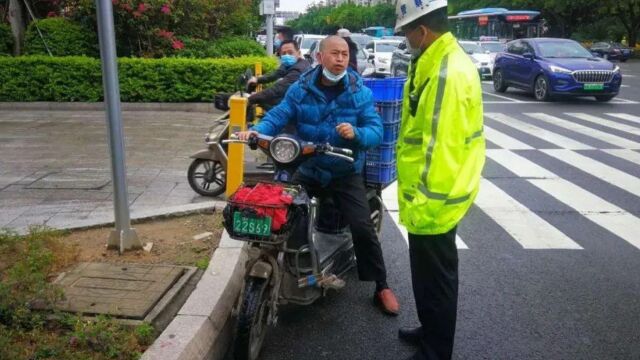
(441,148)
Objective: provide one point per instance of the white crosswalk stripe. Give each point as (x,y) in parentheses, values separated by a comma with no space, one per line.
(585,130)
(605,122)
(503,140)
(527,228)
(549,136)
(532,229)
(594,208)
(627,117)
(605,172)
(625,154)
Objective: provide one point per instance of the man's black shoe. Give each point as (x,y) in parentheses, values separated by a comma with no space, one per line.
(410,335)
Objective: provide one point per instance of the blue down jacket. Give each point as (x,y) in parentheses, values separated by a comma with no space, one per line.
(315,120)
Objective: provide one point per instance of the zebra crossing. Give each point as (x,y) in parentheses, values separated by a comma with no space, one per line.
(578,144)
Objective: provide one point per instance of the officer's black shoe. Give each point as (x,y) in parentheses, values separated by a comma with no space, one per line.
(410,335)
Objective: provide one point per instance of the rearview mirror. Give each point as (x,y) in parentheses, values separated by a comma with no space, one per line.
(372,57)
(528,55)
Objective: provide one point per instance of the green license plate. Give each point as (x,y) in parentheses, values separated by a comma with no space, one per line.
(593,87)
(251,226)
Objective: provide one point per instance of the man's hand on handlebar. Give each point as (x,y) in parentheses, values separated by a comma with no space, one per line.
(346,131)
(246,135)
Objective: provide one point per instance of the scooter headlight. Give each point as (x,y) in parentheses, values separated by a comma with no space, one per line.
(284,150)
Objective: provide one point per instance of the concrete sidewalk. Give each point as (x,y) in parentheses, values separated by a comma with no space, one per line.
(55,167)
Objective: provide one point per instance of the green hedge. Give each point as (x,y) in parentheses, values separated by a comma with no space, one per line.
(6,40)
(40,78)
(226,47)
(64,38)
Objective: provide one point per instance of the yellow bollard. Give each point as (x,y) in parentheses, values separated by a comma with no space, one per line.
(235,155)
(258,72)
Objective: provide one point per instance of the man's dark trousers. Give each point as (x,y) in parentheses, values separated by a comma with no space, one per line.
(434,274)
(350,198)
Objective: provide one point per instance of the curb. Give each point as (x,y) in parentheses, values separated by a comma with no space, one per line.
(137,216)
(202,327)
(99,106)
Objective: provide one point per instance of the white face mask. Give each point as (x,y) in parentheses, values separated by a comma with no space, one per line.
(331,77)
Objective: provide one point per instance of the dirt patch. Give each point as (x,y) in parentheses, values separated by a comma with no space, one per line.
(173,241)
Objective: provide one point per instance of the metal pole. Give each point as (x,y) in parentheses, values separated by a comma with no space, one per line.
(123,237)
(269,23)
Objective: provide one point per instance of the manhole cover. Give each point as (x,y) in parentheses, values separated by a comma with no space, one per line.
(73,180)
(128,290)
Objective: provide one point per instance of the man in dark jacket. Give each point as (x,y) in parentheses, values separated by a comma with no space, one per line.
(353,48)
(330,104)
(291,67)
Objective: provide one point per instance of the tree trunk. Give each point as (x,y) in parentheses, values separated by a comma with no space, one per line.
(633,38)
(16,19)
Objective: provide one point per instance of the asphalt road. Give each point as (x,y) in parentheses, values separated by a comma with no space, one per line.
(549,254)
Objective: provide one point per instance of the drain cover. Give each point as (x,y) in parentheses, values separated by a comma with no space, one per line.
(73,180)
(128,291)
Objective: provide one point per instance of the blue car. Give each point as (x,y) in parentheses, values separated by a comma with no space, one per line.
(553,68)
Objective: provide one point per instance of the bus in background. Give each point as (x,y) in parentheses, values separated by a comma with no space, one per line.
(497,23)
(378,31)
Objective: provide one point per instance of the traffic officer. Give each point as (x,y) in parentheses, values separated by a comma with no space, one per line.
(440,159)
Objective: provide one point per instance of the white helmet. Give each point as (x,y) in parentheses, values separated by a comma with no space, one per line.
(408,11)
(344,33)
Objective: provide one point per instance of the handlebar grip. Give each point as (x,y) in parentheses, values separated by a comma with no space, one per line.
(343,151)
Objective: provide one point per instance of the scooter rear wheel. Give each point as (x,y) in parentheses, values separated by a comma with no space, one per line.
(207,177)
(251,327)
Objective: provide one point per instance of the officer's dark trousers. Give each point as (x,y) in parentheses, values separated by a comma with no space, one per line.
(434,274)
(350,198)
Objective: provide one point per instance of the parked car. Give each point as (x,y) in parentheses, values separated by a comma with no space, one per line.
(305,41)
(380,51)
(365,67)
(361,39)
(493,48)
(480,57)
(612,51)
(400,60)
(262,39)
(551,67)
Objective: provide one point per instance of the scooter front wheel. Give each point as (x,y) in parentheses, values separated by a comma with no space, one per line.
(207,177)
(251,327)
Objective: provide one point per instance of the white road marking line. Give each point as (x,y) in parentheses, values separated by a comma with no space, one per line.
(525,226)
(594,208)
(585,130)
(518,164)
(627,117)
(625,154)
(538,132)
(503,140)
(502,97)
(625,101)
(605,172)
(605,122)
(390,199)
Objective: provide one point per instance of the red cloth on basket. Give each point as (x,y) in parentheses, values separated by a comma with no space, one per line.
(266,200)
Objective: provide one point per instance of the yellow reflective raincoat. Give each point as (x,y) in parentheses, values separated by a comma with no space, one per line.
(441,147)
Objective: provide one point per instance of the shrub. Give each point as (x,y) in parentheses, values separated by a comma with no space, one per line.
(41,78)
(229,47)
(64,38)
(6,40)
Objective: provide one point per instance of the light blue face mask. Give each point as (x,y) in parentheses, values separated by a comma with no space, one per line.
(288,60)
(277,43)
(332,77)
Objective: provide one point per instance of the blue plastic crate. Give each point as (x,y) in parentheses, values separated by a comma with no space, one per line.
(390,134)
(383,153)
(390,112)
(389,89)
(380,172)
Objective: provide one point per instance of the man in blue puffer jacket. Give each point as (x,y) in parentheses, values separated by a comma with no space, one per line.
(329,104)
